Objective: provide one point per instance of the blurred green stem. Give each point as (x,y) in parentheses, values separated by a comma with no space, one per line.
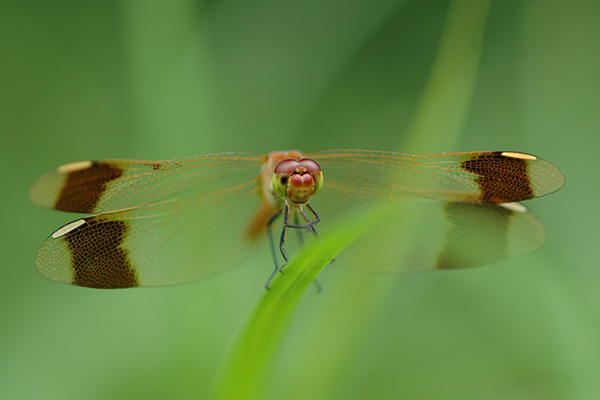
(438,123)
(444,106)
(439,118)
(251,360)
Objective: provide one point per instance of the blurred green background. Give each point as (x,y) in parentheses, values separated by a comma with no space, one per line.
(160,80)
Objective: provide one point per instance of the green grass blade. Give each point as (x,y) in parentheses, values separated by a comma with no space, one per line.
(249,364)
(447,96)
(441,115)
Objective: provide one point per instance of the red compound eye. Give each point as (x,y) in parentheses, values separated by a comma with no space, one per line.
(287,167)
(310,165)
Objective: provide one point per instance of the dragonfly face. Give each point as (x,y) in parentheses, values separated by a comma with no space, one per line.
(167,222)
(297,180)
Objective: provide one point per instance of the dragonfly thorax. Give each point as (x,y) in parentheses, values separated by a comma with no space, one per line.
(297,180)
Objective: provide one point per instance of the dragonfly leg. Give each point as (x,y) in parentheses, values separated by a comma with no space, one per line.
(309,226)
(272,243)
(298,228)
(281,245)
(282,237)
(317,218)
(309,223)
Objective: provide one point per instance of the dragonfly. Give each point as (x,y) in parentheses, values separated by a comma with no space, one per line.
(157,223)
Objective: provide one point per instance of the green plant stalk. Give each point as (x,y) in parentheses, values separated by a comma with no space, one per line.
(438,123)
(440,118)
(448,93)
(249,363)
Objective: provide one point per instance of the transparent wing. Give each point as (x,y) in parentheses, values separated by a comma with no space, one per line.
(443,210)
(174,221)
(196,228)
(426,235)
(101,186)
(498,177)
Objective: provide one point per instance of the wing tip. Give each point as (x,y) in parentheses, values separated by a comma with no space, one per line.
(46,190)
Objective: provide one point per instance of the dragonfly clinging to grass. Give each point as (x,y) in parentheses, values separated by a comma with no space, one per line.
(167,222)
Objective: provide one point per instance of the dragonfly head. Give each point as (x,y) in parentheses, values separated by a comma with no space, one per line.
(297,180)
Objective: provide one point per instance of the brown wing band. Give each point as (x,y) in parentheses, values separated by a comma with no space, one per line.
(502,179)
(98,259)
(84,187)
